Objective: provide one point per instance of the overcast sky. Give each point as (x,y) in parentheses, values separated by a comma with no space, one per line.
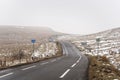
(69,16)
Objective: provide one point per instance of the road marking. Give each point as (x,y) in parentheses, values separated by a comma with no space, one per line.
(58,58)
(6,75)
(29,67)
(64,73)
(5,70)
(65,50)
(73,65)
(44,63)
(53,60)
(78,60)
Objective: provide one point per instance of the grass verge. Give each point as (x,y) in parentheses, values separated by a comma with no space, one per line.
(58,54)
(101,69)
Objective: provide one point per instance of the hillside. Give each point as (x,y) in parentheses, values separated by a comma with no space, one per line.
(107,34)
(21,34)
(107,48)
(104,53)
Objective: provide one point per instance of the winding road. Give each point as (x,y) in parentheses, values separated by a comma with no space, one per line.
(71,66)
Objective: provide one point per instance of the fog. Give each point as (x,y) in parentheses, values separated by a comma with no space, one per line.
(68,16)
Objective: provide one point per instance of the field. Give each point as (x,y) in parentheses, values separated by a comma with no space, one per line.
(16,47)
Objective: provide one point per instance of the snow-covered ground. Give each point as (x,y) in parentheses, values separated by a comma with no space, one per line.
(46,50)
(17,56)
(108,48)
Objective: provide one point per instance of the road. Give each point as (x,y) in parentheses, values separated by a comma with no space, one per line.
(71,66)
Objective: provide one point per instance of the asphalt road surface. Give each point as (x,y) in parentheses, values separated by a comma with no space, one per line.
(72,66)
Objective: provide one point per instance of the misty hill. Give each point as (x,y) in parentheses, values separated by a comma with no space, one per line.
(18,34)
(107,34)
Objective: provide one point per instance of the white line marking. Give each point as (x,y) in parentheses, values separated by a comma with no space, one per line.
(64,73)
(73,65)
(5,70)
(44,63)
(58,58)
(53,60)
(80,58)
(77,61)
(65,50)
(29,67)
(6,75)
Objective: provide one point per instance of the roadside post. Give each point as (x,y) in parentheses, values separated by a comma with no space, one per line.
(50,39)
(33,41)
(84,44)
(98,44)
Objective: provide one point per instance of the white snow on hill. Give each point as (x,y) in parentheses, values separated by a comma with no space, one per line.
(108,48)
(109,44)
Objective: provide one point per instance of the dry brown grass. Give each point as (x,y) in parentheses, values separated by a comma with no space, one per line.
(101,69)
(23,53)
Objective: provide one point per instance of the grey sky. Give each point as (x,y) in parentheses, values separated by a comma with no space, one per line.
(70,16)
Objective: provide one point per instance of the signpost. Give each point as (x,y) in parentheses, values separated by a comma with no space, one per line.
(33,41)
(50,39)
(98,41)
(84,44)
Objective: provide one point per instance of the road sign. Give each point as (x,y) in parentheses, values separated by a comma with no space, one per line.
(50,40)
(98,39)
(33,40)
(84,43)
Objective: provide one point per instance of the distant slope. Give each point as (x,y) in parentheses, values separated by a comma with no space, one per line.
(108,34)
(18,34)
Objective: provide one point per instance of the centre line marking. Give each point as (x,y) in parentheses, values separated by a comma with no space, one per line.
(5,70)
(29,67)
(44,63)
(6,75)
(53,60)
(77,61)
(80,58)
(58,58)
(73,65)
(64,73)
